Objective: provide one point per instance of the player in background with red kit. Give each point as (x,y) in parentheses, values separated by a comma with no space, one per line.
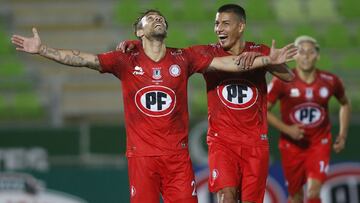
(305,141)
(154,81)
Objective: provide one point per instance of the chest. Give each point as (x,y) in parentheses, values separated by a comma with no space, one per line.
(172,72)
(318,92)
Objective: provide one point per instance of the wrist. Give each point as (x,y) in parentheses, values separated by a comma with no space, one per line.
(42,49)
(265,60)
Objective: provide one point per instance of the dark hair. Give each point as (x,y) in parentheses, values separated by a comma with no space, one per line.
(233,8)
(137,25)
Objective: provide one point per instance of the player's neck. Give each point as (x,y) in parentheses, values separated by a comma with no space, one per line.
(307,76)
(238,47)
(154,49)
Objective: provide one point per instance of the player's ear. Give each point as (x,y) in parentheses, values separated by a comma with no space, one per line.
(140,33)
(241,27)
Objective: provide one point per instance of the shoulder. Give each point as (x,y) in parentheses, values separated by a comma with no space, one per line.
(254,47)
(204,48)
(327,76)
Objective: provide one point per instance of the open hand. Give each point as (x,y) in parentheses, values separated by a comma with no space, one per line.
(127,45)
(282,55)
(246,59)
(27,44)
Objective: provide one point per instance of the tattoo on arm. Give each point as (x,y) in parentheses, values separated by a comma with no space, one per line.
(265,61)
(70,57)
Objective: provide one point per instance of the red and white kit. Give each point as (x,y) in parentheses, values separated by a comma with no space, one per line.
(237,135)
(306,104)
(156,120)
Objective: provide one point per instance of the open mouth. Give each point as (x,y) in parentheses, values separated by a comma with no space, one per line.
(222,38)
(158,25)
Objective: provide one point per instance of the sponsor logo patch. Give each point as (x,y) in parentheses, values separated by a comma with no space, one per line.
(155,100)
(237,94)
(309,114)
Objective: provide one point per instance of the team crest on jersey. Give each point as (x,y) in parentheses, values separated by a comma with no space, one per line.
(174,70)
(309,94)
(237,94)
(309,114)
(156,73)
(294,92)
(324,92)
(155,100)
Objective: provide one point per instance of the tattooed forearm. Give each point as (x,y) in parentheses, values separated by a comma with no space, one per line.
(70,57)
(265,61)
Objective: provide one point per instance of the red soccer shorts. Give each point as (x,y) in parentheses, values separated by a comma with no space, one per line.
(170,175)
(300,164)
(245,168)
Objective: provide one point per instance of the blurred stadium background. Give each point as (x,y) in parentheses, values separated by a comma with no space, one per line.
(61,128)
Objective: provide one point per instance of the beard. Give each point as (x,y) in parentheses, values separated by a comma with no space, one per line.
(159,34)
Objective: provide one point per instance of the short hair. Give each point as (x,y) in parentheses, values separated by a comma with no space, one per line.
(138,25)
(306,38)
(233,8)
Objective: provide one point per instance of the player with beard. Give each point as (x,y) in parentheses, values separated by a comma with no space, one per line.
(305,141)
(154,81)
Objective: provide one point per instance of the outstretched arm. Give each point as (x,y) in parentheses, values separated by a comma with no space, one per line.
(276,57)
(75,58)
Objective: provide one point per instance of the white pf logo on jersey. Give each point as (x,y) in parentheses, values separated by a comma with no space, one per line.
(309,114)
(155,101)
(237,94)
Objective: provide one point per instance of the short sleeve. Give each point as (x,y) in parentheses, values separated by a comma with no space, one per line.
(274,90)
(112,62)
(259,48)
(339,89)
(264,50)
(199,57)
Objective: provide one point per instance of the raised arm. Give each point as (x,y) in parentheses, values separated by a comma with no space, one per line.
(75,58)
(281,70)
(276,57)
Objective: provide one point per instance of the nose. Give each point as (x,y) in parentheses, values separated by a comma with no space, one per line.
(158,18)
(218,28)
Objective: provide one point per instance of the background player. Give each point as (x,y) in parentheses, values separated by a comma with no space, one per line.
(305,141)
(154,81)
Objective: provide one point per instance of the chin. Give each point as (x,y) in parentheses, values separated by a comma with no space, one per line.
(225,46)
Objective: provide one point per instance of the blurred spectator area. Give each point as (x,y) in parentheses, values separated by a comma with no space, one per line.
(32,88)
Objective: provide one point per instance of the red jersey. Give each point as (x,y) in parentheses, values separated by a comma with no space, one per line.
(236,101)
(307,104)
(155,97)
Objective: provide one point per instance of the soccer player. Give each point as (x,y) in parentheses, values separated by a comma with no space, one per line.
(305,141)
(237,135)
(154,80)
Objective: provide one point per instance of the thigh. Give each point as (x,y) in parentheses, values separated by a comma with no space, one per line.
(224,170)
(255,164)
(144,180)
(293,165)
(317,162)
(178,180)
